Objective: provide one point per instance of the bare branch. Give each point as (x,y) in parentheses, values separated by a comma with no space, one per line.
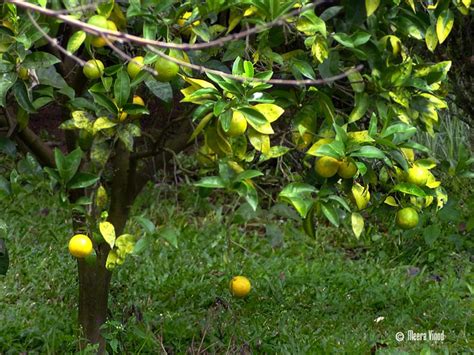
(160,44)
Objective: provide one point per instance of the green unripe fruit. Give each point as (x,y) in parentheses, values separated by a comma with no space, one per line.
(93,69)
(135,66)
(166,70)
(407,218)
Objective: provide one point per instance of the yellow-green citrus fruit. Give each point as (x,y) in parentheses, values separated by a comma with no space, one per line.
(135,66)
(361,195)
(98,41)
(239,286)
(347,169)
(101,22)
(409,154)
(80,246)
(326,166)
(23,73)
(417,175)
(407,218)
(93,69)
(238,125)
(166,70)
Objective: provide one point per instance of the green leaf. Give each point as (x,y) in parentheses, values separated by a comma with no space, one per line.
(76,41)
(369,152)
(82,180)
(22,96)
(259,141)
(122,88)
(410,189)
(444,25)
(309,24)
(357,81)
(309,223)
(247,174)
(331,213)
(113,260)
(213,182)
(361,107)
(6,82)
(170,234)
(67,165)
(163,91)
(146,224)
(357,222)
(38,60)
(125,245)
(105,102)
(247,190)
(108,232)
(299,196)
(371,6)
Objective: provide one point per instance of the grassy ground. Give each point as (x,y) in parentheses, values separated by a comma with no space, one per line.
(309,296)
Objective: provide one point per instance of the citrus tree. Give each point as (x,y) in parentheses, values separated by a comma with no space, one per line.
(333,91)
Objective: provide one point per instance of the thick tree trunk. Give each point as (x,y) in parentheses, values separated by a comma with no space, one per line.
(94,283)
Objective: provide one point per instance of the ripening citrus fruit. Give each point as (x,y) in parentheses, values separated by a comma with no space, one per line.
(23,73)
(417,175)
(80,246)
(326,166)
(238,125)
(101,22)
(239,286)
(347,169)
(98,41)
(407,218)
(135,66)
(166,70)
(93,69)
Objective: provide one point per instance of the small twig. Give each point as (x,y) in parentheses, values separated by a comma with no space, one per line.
(54,42)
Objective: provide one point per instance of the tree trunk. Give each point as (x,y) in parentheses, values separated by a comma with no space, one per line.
(94,283)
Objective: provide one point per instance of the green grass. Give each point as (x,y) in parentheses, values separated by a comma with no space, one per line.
(308,296)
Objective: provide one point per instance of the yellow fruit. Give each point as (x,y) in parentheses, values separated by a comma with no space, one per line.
(407,218)
(417,175)
(135,66)
(408,153)
(80,246)
(326,166)
(347,169)
(239,286)
(361,195)
(98,41)
(165,69)
(93,69)
(238,125)
(23,73)
(101,22)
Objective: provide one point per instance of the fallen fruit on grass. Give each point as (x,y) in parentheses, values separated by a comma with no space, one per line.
(407,218)
(326,166)
(80,246)
(93,69)
(239,286)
